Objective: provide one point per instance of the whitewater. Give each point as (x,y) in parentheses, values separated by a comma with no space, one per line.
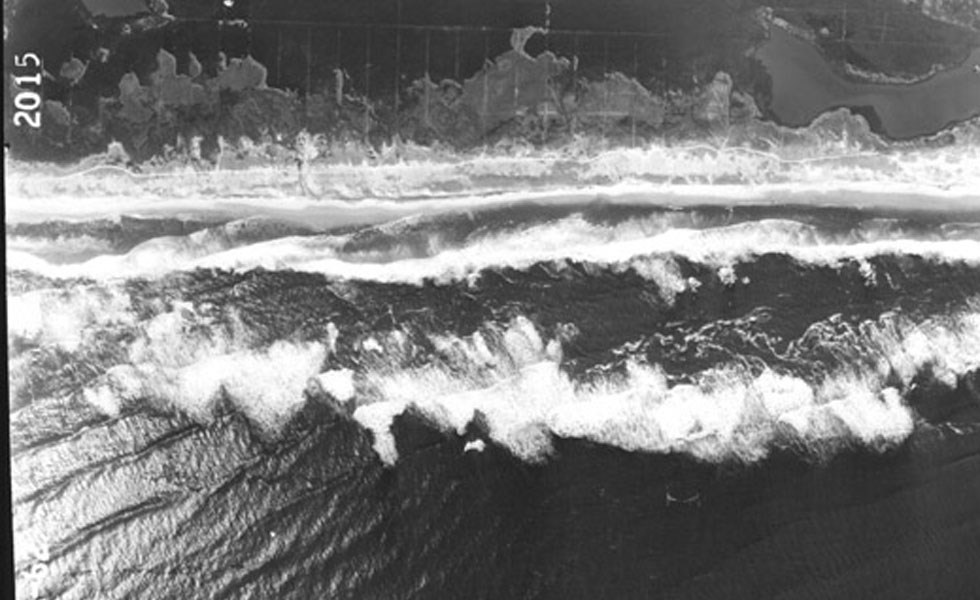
(284,400)
(518,388)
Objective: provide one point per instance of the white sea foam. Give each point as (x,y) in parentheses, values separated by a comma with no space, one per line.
(182,360)
(948,174)
(624,246)
(524,398)
(648,246)
(648,251)
(511,376)
(65,318)
(266,385)
(163,254)
(904,348)
(338,383)
(475,446)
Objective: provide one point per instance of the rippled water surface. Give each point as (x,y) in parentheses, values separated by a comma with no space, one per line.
(523,401)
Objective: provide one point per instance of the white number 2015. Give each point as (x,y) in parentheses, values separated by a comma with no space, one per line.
(27,101)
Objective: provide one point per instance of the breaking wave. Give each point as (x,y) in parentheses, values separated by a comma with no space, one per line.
(836,385)
(647,245)
(66,318)
(183,360)
(511,381)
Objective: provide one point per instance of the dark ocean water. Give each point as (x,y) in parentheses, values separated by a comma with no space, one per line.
(519,402)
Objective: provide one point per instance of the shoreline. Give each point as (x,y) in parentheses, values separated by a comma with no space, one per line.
(344,186)
(338,212)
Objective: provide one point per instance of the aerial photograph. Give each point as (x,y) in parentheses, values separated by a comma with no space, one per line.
(492,299)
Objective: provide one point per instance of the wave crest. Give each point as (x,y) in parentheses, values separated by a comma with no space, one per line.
(635,243)
(182,359)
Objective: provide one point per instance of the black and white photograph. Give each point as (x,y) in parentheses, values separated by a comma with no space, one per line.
(492,299)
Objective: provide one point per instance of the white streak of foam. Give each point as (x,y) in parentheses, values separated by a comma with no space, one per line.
(622,248)
(168,253)
(643,245)
(947,177)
